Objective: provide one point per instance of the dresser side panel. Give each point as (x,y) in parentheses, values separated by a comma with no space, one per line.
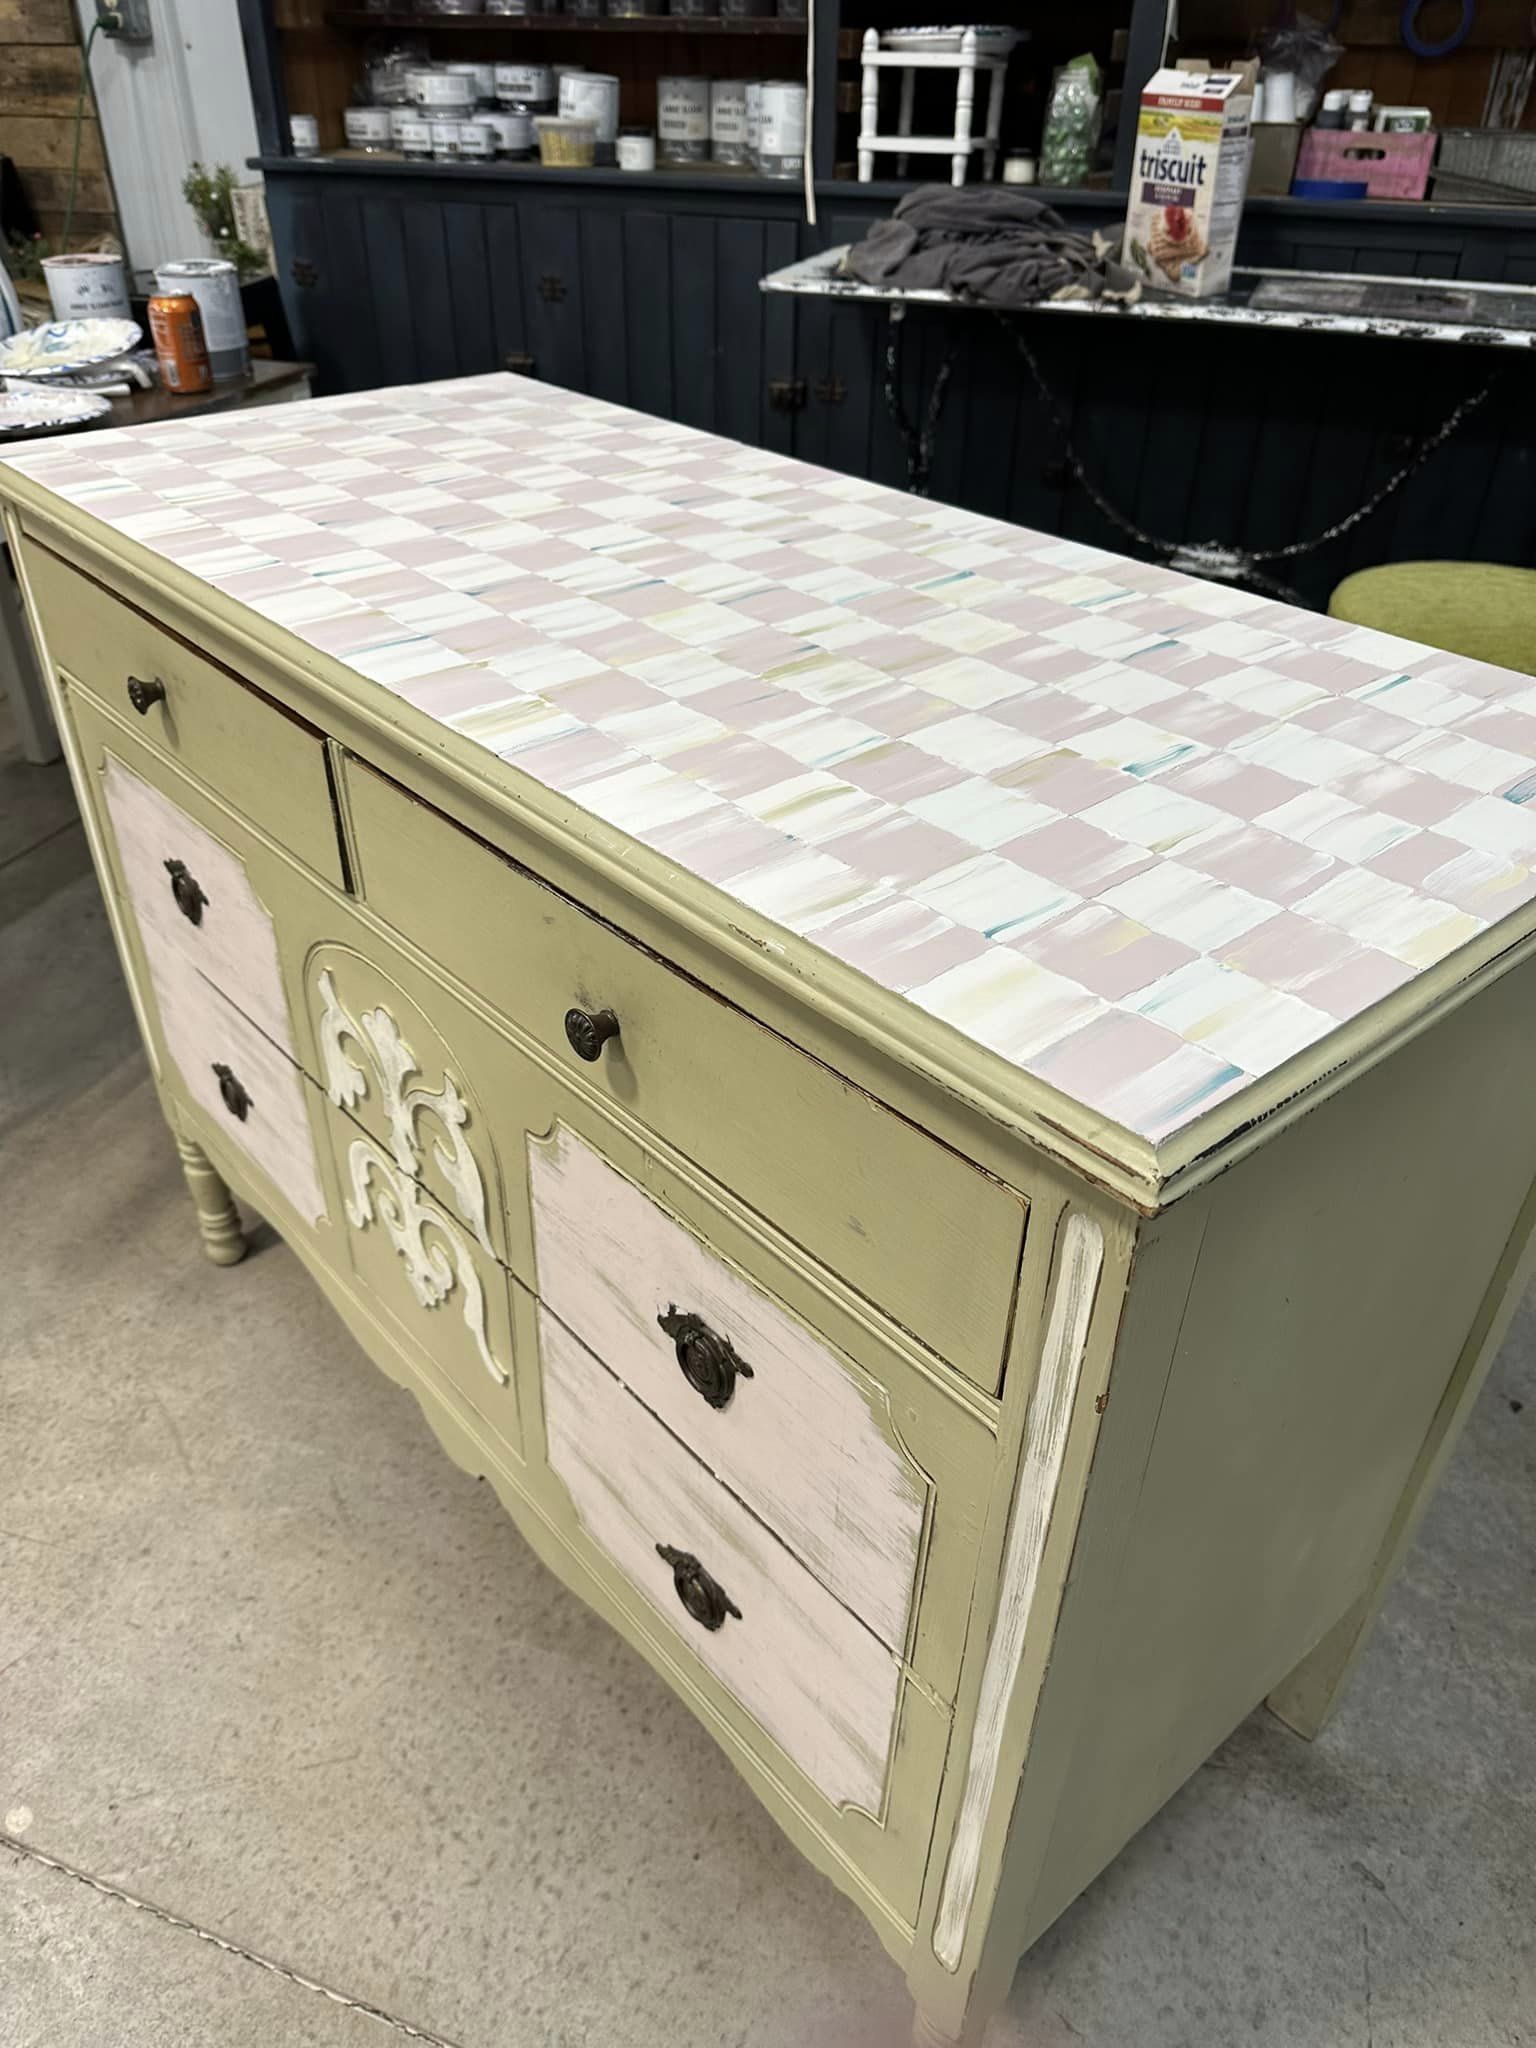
(1342,1271)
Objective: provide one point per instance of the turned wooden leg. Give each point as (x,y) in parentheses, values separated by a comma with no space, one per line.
(217,1217)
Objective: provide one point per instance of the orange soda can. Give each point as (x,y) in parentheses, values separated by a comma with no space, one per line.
(176,327)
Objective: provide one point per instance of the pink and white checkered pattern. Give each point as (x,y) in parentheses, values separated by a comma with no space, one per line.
(1144,836)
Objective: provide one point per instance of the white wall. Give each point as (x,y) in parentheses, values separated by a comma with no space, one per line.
(180,96)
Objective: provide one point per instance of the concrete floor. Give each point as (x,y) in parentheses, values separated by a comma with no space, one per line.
(270,1663)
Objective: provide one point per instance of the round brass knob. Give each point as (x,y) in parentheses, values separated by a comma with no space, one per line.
(144,691)
(589,1031)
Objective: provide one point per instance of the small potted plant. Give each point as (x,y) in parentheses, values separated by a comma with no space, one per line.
(210,194)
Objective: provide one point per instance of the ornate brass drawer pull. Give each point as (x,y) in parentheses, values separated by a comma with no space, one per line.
(711,1364)
(704,1597)
(589,1031)
(190,897)
(236,1096)
(144,691)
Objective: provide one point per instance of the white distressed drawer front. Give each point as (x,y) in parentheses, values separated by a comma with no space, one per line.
(203,1031)
(231,941)
(815,1679)
(805,1440)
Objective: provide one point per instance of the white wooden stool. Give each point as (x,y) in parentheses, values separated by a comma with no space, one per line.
(965,63)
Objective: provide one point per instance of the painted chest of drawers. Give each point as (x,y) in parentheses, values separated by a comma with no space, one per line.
(948,1119)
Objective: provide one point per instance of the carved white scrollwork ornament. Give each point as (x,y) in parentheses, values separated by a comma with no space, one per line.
(437,1260)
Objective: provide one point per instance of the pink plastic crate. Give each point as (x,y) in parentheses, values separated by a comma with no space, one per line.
(1391,166)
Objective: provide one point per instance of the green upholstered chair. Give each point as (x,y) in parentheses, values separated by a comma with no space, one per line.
(1483,609)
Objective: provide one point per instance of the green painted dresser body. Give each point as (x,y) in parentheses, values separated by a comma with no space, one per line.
(967,1463)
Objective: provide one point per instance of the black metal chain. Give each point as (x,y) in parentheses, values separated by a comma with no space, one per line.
(1218,559)
(919,441)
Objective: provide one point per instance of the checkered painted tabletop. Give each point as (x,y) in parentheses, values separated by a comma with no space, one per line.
(1144,836)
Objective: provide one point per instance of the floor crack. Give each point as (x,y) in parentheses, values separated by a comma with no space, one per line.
(230,1948)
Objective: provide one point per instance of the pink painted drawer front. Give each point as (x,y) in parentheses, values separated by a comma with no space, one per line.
(800,1432)
(190,890)
(249,1090)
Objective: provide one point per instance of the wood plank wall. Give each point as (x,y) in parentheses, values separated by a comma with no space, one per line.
(39,81)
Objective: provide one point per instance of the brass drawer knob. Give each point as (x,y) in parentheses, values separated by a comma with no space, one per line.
(589,1031)
(236,1096)
(704,1597)
(190,899)
(711,1363)
(144,691)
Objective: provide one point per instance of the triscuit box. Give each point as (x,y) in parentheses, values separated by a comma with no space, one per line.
(1193,142)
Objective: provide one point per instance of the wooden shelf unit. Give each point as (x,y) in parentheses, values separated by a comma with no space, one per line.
(571,24)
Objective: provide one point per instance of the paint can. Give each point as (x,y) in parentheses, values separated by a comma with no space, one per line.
(477,140)
(214,284)
(86,287)
(781,141)
(637,149)
(304,134)
(482,77)
(443,91)
(513,129)
(728,120)
(593,96)
(682,120)
(754,118)
(368,128)
(525,85)
(412,136)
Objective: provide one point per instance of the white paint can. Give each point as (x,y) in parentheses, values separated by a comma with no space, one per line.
(214,284)
(86,287)
(368,128)
(304,134)
(682,120)
(447,91)
(412,135)
(781,141)
(513,129)
(483,79)
(728,120)
(637,149)
(754,119)
(592,96)
(525,85)
(477,140)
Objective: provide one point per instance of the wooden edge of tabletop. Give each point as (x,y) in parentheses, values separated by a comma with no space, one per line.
(1133,1169)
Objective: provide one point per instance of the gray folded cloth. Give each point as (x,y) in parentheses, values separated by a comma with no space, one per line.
(994,244)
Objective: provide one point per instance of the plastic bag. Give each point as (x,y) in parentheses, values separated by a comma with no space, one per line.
(1305,48)
(1072,123)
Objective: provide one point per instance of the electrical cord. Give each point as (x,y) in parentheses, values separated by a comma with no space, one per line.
(74,161)
(1219,561)
(1222,561)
